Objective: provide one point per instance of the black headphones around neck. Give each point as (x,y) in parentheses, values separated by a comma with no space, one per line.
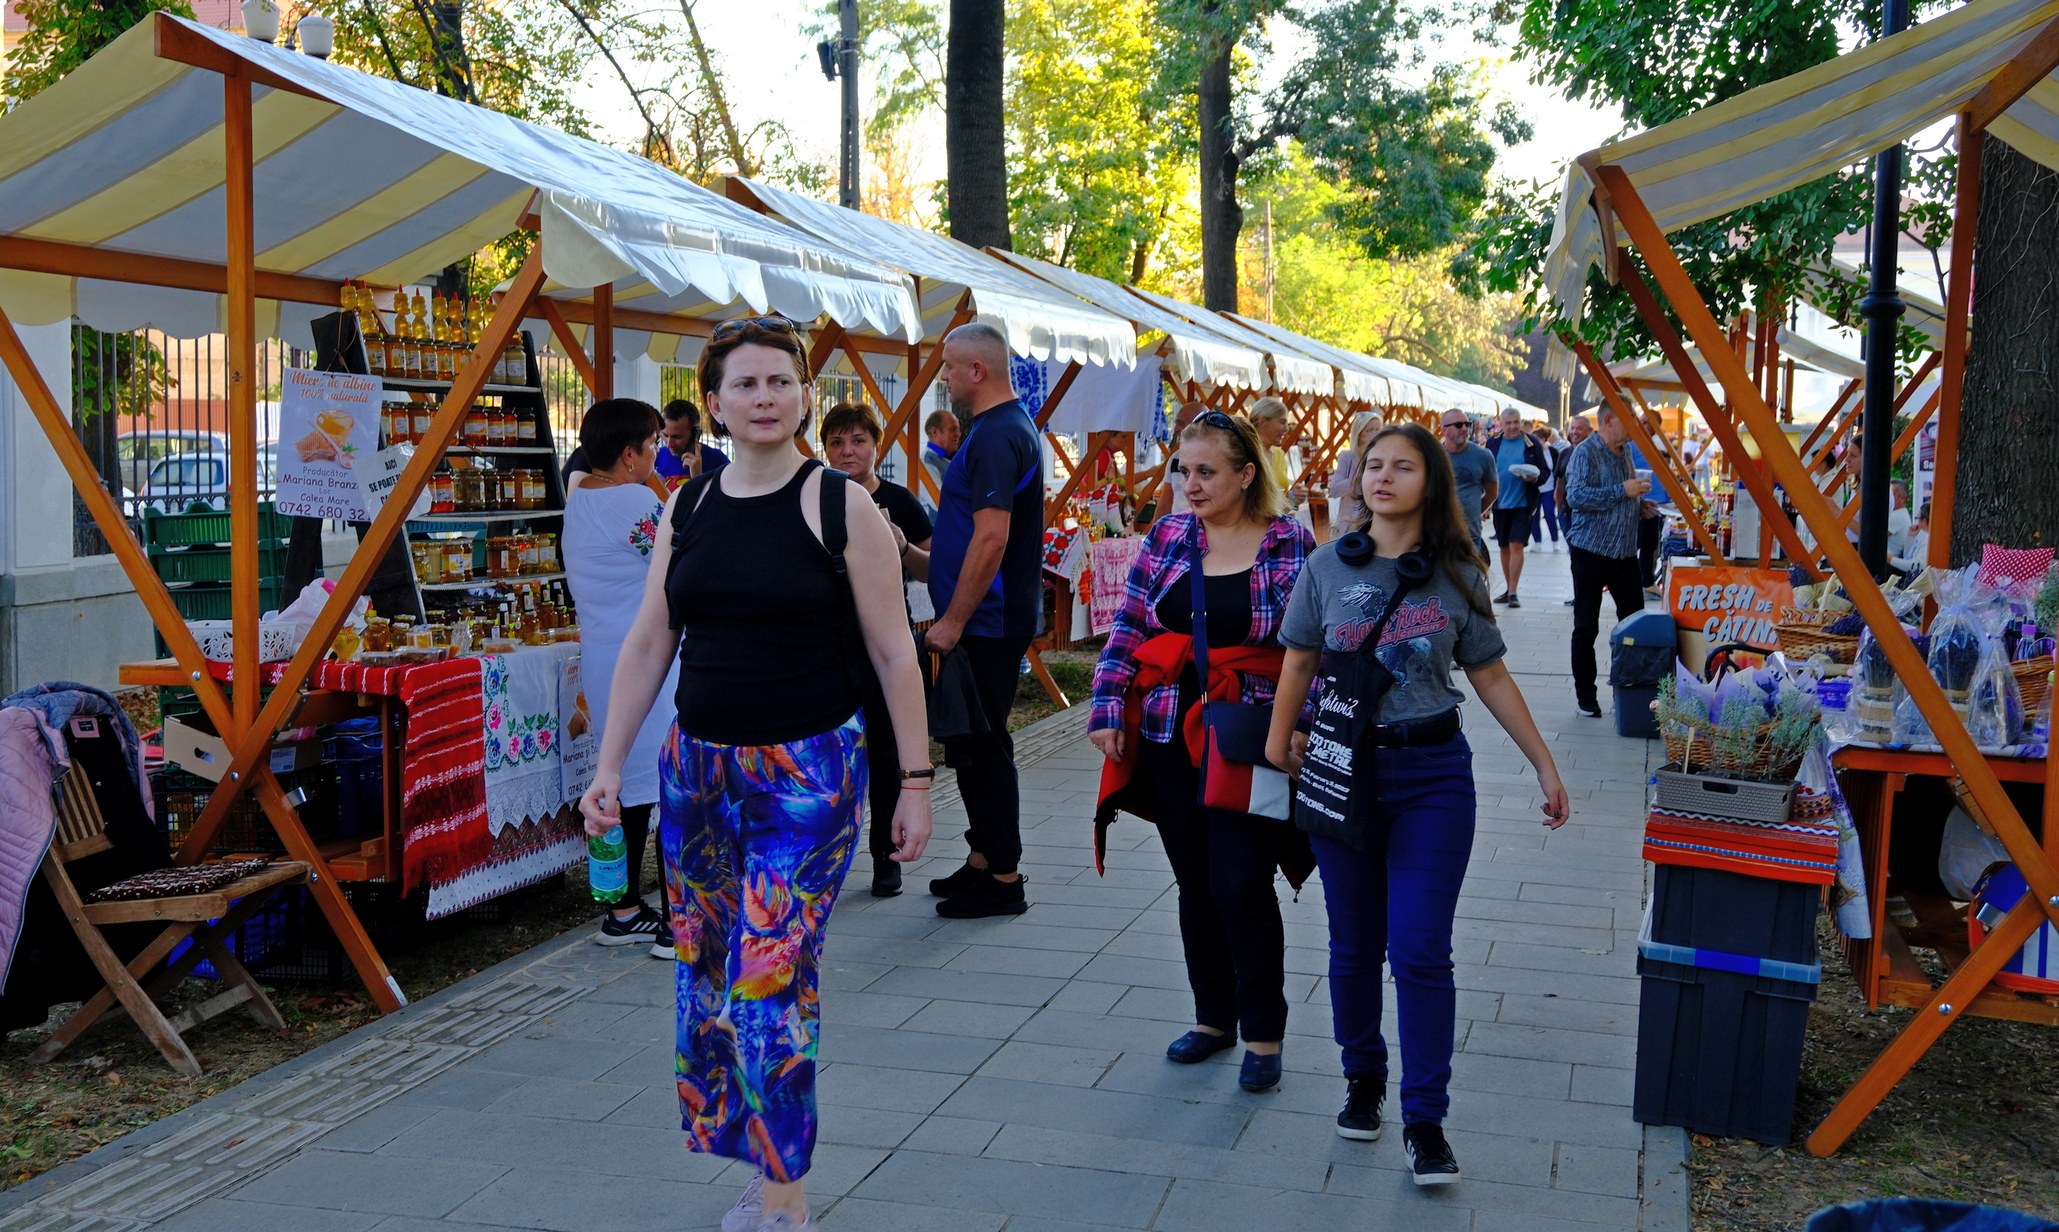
(1356,549)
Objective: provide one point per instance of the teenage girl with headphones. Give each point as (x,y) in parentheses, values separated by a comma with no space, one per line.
(1395,829)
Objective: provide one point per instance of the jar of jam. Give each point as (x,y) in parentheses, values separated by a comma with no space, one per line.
(443,492)
(525,428)
(496,428)
(475,425)
(422,414)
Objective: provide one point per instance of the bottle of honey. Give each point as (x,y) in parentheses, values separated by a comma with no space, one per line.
(410,342)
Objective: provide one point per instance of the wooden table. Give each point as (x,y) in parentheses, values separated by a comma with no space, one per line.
(1884,966)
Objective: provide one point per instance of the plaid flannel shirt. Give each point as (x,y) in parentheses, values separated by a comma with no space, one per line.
(1163,563)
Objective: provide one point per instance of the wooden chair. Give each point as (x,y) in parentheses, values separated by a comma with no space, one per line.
(82,832)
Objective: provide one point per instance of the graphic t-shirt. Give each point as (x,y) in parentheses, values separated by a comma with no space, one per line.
(1473,467)
(1335,606)
(999,465)
(1515,491)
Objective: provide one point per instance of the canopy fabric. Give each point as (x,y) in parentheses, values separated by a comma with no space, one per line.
(1784,134)
(1293,371)
(1198,353)
(371,179)
(1039,320)
(1443,393)
(1358,378)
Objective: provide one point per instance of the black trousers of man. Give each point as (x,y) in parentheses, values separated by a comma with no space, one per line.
(1592,574)
(986,762)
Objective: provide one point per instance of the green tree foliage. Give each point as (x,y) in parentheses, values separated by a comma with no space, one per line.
(62,33)
(1658,60)
(1100,161)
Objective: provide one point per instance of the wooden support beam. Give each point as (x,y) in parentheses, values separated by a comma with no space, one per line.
(1605,381)
(241,363)
(2027,68)
(78,261)
(1058,392)
(568,342)
(1945,724)
(919,382)
(1958,308)
(1830,416)
(172,41)
(603,351)
(55,421)
(1096,442)
(1753,477)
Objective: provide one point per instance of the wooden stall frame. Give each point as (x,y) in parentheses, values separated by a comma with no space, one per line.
(1605,381)
(1980,778)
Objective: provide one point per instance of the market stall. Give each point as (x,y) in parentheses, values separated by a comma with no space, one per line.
(191,179)
(1984,65)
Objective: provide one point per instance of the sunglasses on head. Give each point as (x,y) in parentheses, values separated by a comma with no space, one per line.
(736,324)
(1216,419)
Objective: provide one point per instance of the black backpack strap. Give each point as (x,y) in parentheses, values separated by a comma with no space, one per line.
(691,495)
(835,538)
(835,533)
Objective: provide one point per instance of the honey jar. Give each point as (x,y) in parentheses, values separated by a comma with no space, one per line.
(378,635)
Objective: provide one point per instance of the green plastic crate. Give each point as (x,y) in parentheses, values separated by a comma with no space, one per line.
(210,601)
(209,526)
(212,564)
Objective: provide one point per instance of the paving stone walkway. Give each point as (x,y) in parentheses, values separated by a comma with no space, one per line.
(986,1075)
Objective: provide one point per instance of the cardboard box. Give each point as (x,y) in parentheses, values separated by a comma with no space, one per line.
(191,744)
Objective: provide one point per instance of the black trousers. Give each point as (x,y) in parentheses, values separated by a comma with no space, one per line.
(636,832)
(883,766)
(1648,531)
(986,762)
(1592,574)
(1229,912)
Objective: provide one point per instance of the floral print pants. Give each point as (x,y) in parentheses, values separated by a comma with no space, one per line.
(756,843)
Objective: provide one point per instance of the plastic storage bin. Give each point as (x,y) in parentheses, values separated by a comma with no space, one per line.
(1642,651)
(1729,967)
(1923,1215)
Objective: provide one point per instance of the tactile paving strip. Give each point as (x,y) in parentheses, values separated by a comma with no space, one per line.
(223,1149)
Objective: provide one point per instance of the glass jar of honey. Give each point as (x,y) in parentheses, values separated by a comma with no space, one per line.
(378,634)
(457,560)
(442,492)
(525,428)
(529,553)
(529,484)
(428,568)
(423,414)
(475,425)
(497,556)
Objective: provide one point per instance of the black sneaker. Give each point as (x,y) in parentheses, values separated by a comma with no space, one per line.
(1591,709)
(886,877)
(645,927)
(1513,601)
(1429,1155)
(1505,596)
(957,883)
(1360,1120)
(987,896)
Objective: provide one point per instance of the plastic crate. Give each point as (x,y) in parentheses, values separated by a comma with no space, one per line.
(212,564)
(360,787)
(208,526)
(1719,1052)
(288,939)
(1721,797)
(1716,909)
(210,600)
(182,797)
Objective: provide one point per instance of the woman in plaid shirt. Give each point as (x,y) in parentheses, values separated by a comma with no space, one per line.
(1144,686)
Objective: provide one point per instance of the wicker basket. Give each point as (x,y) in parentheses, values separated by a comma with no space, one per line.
(1804,641)
(1704,755)
(2033,681)
(1808,616)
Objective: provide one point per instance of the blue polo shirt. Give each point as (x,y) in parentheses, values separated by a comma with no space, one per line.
(999,465)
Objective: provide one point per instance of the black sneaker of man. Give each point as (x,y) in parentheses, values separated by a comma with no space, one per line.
(1429,1155)
(1591,709)
(1514,602)
(886,877)
(987,896)
(957,883)
(645,927)
(1360,1120)
(1505,596)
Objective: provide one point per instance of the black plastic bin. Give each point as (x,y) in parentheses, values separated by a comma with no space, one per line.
(1729,970)
(1641,653)
(1923,1215)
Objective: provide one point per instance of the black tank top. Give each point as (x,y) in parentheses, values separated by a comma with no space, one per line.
(1229,619)
(761,622)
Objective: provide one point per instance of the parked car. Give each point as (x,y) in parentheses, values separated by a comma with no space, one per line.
(177,483)
(137,452)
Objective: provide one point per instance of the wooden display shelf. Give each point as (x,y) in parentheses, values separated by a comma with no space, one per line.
(477,582)
(408,384)
(458,447)
(455,520)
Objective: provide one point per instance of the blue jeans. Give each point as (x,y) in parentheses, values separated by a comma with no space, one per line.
(1395,899)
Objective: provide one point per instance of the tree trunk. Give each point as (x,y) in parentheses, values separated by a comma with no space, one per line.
(2008,451)
(1222,219)
(975,140)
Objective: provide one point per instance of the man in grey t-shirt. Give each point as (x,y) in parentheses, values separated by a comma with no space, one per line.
(1478,483)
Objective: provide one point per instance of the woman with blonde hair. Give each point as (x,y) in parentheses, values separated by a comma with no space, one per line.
(1269,418)
(1228,567)
(1344,503)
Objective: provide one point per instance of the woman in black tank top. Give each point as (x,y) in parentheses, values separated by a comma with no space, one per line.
(763,778)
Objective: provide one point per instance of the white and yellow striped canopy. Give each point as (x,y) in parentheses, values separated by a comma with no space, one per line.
(365,178)
(1039,320)
(1784,134)
(1293,370)
(1196,352)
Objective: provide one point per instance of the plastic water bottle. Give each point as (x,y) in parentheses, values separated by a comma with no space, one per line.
(607,866)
